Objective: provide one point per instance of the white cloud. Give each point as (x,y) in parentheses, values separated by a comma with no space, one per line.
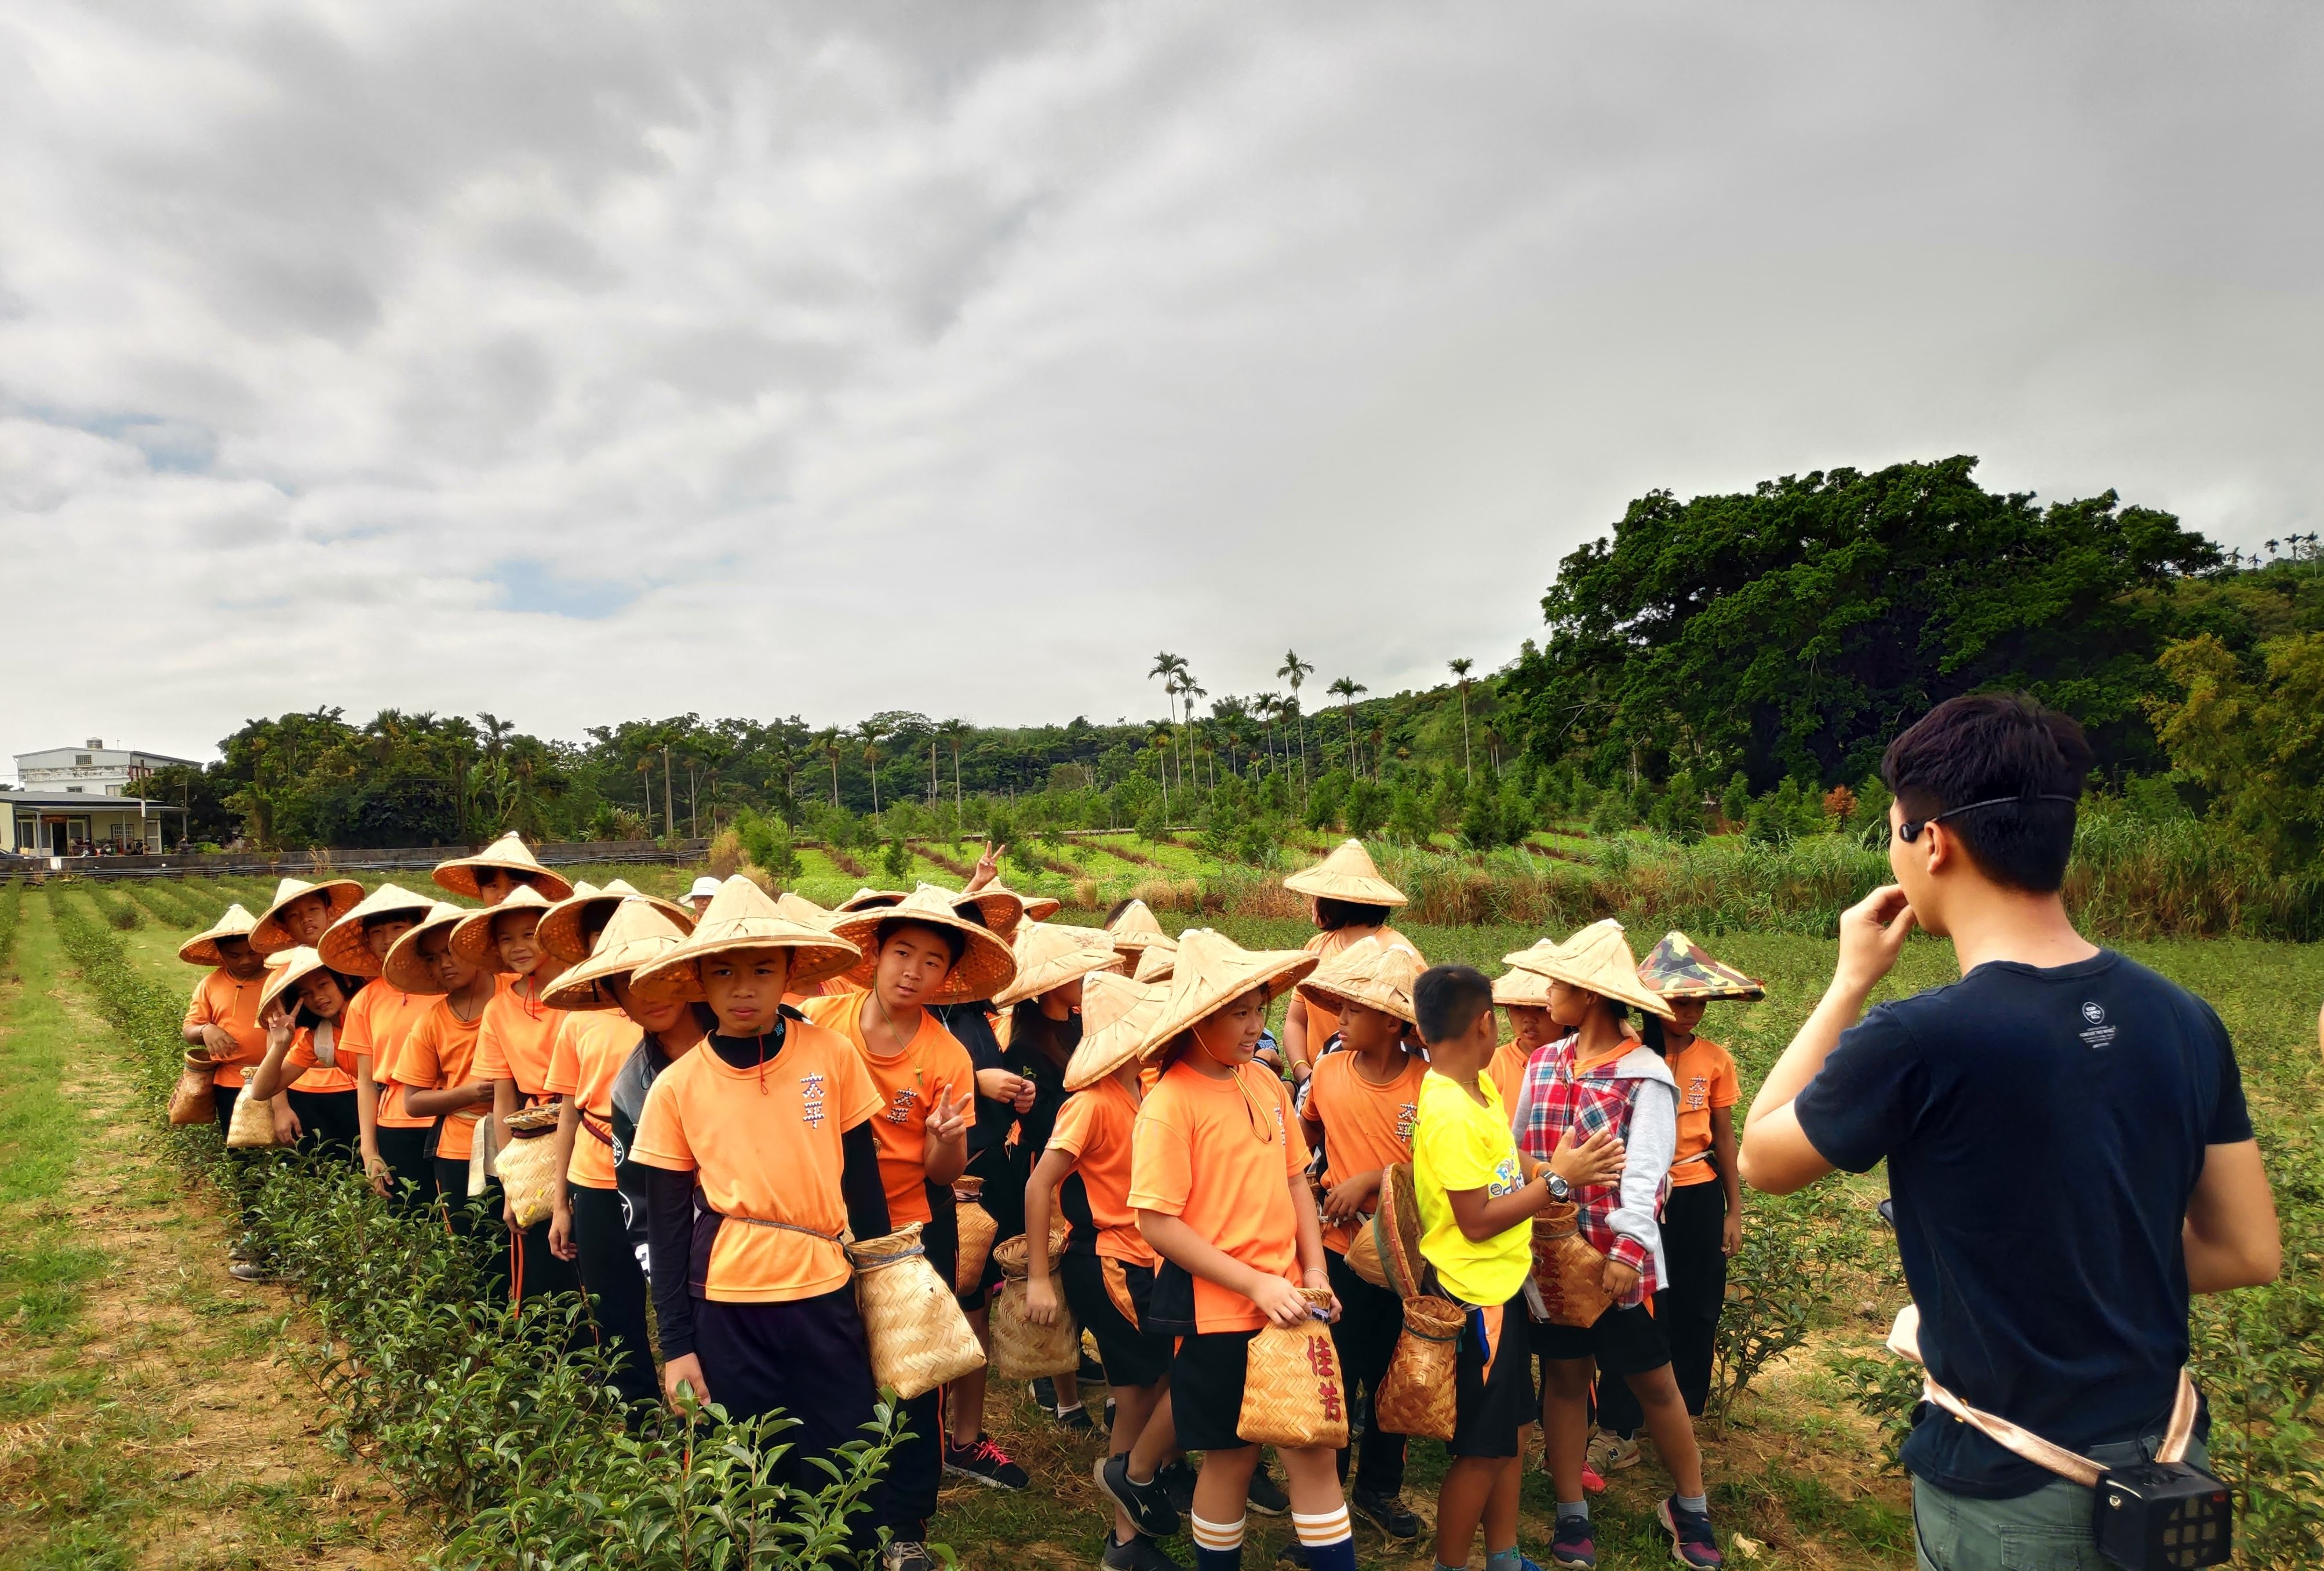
(583,362)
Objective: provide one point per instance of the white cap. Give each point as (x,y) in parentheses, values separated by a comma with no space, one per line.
(703,888)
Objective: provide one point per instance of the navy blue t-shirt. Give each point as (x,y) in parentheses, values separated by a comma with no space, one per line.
(2044,1130)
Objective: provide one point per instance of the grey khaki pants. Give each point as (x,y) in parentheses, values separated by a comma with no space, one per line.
(2047,1531)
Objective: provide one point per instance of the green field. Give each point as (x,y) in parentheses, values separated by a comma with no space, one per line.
(1799,1471)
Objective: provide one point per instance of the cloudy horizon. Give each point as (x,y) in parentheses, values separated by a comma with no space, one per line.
(592,363)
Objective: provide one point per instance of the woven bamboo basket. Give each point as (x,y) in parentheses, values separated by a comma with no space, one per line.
(1291,1392)
(977,1229)
(1364,1252)
(1024,1351)
(527,1166)
(252,1125)
(194,1099)
(918,1338)
(1396,1231)
(1568,1272)
(1416,1396)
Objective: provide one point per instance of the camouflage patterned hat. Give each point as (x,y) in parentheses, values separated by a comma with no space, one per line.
(1679,968)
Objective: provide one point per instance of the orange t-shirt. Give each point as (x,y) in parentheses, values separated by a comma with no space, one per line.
(765,1144)
(441,1052)
(1706,1078)
(1365,1126)
(377,1023)
(1507,1070)
(909,1083)
(1324,1018)
(219,1000)
(513,1040)
(1222,1156)
(1094,1127)
(302,1055)
(591,1046)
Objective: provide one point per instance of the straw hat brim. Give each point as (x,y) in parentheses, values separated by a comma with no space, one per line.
(280,979)
(1520,989)
(677,977)
(268,935)
(1196,998)
(1156,963)
(346,950)
(1622,985)
(404,969)
(202,949)
(581,988)
(986,966)
(560,930)
(472,936)
(1090,951)
(1347,874)
(864,899)
(1120,1041)
(1384,999)
(459,873)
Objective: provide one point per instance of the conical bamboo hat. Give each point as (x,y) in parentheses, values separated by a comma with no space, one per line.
(1212,972)
(1597,959)
(639,932)
(1368,972)
(742,916)
(404,969)
(986,966)
(1522,988)
(1135,928)
(509,853)
(471,939)
(268,935)
(202,949)
(1679,967)
(560,930)
(1347,874)
(1116,1014)
(346,950)
(283,972)
(1052,953)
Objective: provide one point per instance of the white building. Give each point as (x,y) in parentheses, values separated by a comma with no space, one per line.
(91,769)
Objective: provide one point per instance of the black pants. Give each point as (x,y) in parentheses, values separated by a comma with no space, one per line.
(225,1097)
(1687,1310)
(452,1192)
(327,1118)
(538,1270)
(616,1286)
(1370,1320)
(806,1358)
(405,1152)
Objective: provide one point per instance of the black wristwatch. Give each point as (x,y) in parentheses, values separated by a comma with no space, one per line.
(1558,1187)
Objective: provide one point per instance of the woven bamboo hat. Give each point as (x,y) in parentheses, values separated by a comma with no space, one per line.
(1135,928)
(1347,873)
(202,949)
(741,917)
(471,939)
(509,853)
(1598,959)
(800,908)
(560,930)
(268,935)
(345,949)
(1677,967)
(866,899)
(1157,961)
(985,967)
(1115,1015)
(1520,987)
(284,970)
(1368,972)
(1052,953)
(404,969)
(639,932)
(1212,972)
(1038,908)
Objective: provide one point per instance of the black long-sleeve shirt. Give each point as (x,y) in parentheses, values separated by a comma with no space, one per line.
(670,1202)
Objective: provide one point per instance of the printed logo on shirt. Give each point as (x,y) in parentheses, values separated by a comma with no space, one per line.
(1506,1179)
(2099,1034)
(1697,1093)
(1407,1117)
(811,1099)
(900,1110)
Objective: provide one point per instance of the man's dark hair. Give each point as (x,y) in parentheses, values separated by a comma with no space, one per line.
(1984,746)
(1448,998)
(952,938)
(1331,915)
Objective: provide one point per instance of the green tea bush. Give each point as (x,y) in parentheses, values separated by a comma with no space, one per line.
(11,906)
(496,1420)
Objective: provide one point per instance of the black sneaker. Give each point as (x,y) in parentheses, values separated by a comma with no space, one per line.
(1267,1497)
(1177,1480)
(1388,1512)
(985,1462)
(1140,1554)
(1148,1505)
(1692,1542)
(1572,1545)
(1077,1418)
(1044,1392)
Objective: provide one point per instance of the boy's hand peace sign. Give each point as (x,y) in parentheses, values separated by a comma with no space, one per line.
(948,1119)
(988,867)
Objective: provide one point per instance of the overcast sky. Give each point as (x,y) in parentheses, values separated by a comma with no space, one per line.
(576,362)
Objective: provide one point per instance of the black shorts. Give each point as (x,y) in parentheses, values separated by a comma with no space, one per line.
(1109,1298)
(1491,1407)
(1624,1342)
(1207,1389)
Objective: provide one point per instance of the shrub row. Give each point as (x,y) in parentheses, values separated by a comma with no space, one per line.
(496,1421)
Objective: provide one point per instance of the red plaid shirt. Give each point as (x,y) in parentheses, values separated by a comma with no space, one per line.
(1558,1099)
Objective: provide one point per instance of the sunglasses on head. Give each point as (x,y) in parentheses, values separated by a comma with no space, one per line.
(1910,829)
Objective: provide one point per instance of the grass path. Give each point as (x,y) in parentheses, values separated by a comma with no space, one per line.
(144,1421)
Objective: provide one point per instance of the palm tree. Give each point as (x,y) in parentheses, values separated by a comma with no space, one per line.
(1160,743)
(1190,689)
(954,730)
(1460,674)
(1346,689)
(826,742)
(869,730)
(1171,669)
(1295,670)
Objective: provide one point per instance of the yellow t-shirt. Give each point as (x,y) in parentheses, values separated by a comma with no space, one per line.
(1460,1143)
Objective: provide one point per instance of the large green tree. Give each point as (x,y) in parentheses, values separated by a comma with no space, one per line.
(1793,628)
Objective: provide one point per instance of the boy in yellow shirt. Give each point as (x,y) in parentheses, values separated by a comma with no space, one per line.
(1476,1207)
